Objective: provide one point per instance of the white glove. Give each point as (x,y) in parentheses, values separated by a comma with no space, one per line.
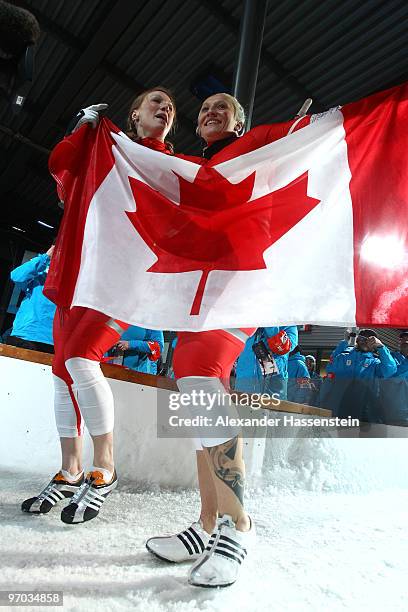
(90,114)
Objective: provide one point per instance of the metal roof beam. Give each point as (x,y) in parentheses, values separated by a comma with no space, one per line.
(267,59)
(249,52)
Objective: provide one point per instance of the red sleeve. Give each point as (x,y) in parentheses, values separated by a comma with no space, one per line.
(254,139)
(79,164)
(280,343)
(64,161)
(65,155)
(265,134)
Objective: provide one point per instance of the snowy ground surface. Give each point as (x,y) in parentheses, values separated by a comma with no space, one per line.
(318,552)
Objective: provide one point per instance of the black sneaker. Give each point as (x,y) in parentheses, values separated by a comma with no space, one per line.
(55,491)
(87,501)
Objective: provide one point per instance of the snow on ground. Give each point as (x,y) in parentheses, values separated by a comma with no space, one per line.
(317,552)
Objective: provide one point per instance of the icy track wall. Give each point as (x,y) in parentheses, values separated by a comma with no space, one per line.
(30,439)
(337,465)
(30,443)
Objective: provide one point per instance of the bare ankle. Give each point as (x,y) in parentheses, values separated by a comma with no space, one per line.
(208,522)
(243,523)
(104,462)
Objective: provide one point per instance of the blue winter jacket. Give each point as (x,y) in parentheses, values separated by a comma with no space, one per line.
(136,357)
(342,347)
(249,376)
(402,365)
(35,316)
(316,381)
(353,386)
(357,364)
(298,391)
(394,393)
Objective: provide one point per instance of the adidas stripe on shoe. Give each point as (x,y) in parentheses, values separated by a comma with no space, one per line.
(87,501)
(221,561)
(57,489)
(184,546)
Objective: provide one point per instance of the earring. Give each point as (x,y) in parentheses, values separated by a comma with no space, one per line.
(239,129)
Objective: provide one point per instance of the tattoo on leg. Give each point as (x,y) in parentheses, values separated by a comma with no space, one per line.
(223,461)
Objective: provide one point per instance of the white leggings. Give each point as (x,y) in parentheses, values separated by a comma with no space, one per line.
(214,396)
(94,397)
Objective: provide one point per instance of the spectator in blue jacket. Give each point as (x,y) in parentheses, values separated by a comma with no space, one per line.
(348,343)
(32,327)
(299,387)
(394,391)
(401,356)
(142,348)
(354,377)
(271,377)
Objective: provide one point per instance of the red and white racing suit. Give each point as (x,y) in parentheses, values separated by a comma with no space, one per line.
(203,360)
(81,338)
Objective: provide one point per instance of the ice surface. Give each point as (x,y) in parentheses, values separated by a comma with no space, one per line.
(330,513)
(317,551)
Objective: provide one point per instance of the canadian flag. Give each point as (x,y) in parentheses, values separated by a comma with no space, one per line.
(312,228)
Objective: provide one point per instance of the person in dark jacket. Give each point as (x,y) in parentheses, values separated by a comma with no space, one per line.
(32,327)
(354,378)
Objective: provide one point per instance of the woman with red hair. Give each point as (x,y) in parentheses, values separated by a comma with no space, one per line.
(81,337)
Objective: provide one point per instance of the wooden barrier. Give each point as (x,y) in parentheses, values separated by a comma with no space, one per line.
(117,372)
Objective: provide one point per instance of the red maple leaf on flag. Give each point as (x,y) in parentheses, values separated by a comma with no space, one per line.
(215,227)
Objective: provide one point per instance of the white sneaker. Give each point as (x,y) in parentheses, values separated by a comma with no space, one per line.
(220,563)
(184,546)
